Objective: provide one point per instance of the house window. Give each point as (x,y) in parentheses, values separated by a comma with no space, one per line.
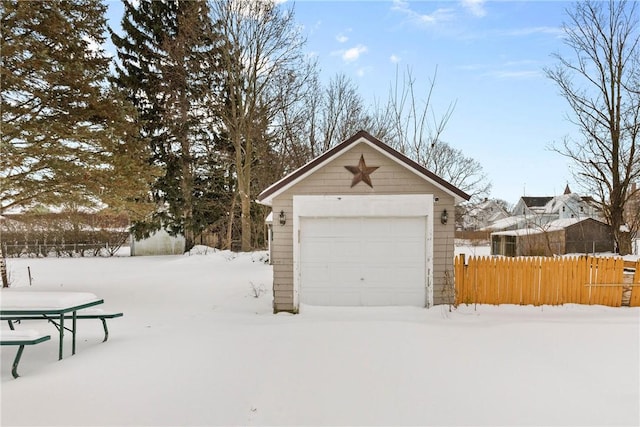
(510,246)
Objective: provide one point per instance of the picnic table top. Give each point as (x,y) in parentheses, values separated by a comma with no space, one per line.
(21,335)
(45,302)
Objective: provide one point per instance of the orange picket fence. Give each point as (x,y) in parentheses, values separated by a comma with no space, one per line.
(540,280)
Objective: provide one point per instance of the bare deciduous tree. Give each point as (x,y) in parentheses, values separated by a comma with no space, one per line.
(599,78)
(332,114)
(264,47)
(293,126)
(342,113)
(414,129)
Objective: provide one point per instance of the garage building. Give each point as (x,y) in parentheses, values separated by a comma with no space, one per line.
(362,225)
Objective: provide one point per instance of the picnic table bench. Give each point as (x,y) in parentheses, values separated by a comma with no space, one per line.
(21,338)
(87,313)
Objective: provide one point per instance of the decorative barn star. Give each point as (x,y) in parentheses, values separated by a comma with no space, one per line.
(361,172)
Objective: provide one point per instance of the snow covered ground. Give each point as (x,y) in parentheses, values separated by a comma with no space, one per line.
(199,345)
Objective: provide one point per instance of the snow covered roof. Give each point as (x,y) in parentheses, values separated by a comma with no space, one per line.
(555,225)
(518,232)
(509,222)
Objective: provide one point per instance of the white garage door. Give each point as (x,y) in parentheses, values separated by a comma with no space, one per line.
(363,261)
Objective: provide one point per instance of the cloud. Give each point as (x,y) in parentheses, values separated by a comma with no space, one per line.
(362,71)
(475,7)
(521,69)
(438,16)
(518,32)
(472,67)
(516,74)
(394,58)
(354,53)
(342,36)
(521,63)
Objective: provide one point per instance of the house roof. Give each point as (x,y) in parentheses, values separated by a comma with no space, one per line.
(556,225)
(531,202)
(266,197)
(508,222)
(555,204)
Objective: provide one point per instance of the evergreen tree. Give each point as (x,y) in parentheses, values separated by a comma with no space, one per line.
(168,56)
(66,134)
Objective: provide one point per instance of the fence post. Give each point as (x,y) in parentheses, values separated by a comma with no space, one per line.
(634,300)
(459,282)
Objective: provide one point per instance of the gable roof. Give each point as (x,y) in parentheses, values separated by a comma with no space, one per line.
(555,204)
(266,196)
(531,202)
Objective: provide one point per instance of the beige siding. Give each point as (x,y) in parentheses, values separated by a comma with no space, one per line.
(333,178)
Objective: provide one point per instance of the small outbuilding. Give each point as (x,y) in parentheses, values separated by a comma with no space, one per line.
(559,237)
(362,225)
(158,243)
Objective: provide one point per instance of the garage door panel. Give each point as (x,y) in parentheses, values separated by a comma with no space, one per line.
(344,226)
(319,272)
(346,274)
(315,227)
(396,277)
(408,252)
(318,249)
(347,298)
(379,298)
(374,250)
(382,274)
(363,261)
(343,249)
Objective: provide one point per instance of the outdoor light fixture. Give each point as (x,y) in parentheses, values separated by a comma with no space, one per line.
(443,218)
(283,218)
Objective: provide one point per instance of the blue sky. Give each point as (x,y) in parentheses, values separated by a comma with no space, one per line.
(490,57)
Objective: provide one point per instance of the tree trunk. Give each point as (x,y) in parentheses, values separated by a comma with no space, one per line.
(245,220)
(624,243)
(232,215)
(243,167)
(187,209)
(3,267)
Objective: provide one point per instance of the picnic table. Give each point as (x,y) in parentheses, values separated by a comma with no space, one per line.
(53,306)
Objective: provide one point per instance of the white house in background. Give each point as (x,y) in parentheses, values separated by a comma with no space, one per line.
(569,220)
(542,210)
(528,205)
(483,214)
(538,212)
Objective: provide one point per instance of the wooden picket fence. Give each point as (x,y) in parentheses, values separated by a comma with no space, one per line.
(540,281)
